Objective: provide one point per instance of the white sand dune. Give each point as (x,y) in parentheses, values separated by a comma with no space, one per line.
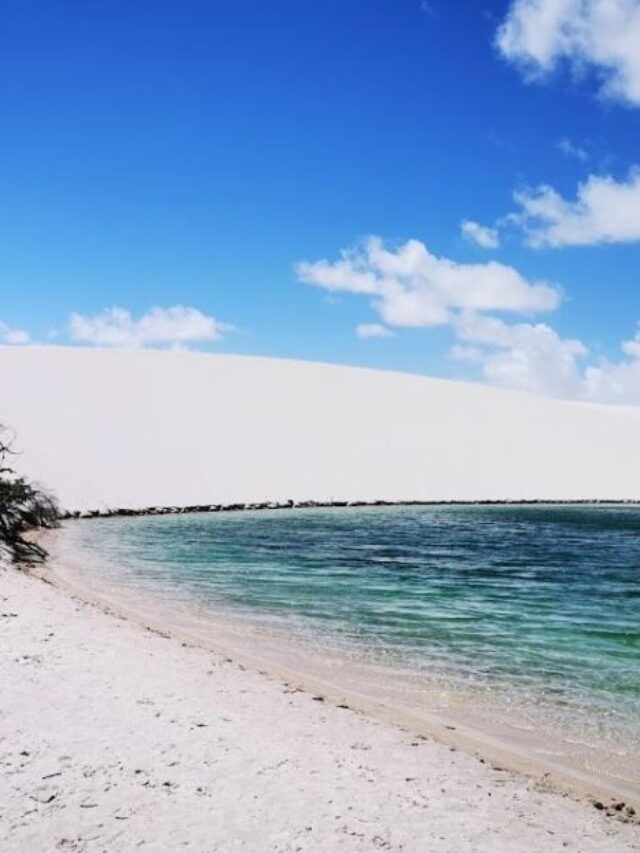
(106,428)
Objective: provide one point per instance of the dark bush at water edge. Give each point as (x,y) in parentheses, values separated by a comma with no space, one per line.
(23,507)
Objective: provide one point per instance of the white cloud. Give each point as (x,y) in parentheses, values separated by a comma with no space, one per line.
(596,35)
(526,356)
(373,330)
(604,211)
(13,336)
(176,326)
(533,357)
(486,238)
(409,286)
(616,382)
(632,348)
(567,147)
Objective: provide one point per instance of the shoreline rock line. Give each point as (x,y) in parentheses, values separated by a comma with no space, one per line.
(125,512)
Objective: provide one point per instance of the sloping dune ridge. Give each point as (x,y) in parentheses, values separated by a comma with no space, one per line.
(115,428)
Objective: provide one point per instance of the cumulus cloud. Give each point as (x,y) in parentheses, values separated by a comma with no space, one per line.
(13,336)
(373,330)
(526,356)
(604,211)
(597,35)
(616,382)
(176,326)
(481,235)
(409,286)
(534,357)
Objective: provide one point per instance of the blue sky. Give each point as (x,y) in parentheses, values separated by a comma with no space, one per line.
(160,154)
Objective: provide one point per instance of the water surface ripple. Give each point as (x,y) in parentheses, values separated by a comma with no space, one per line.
(540,604)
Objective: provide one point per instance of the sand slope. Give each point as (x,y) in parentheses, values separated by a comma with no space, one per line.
(180,749)
(137,428)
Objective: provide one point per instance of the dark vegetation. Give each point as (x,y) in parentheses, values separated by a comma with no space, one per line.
(23,507)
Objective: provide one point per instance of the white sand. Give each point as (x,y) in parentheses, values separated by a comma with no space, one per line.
(97,714)
(140,428)
(113,738)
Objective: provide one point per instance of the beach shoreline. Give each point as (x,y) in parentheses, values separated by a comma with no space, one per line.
(116,734)
(500,744)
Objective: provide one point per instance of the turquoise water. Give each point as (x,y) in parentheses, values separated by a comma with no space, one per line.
(541,602)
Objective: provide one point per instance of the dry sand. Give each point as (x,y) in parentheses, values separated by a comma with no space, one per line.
(113,738)
(140,428)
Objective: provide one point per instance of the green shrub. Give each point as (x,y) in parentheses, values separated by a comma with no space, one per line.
(23,507)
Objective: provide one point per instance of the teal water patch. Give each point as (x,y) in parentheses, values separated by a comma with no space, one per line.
(541,602)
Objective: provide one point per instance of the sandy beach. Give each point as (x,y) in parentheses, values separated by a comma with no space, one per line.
(114,738)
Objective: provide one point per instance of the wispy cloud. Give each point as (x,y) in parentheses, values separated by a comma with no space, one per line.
(373,330)
(576,152)
(429,7)
(481,235)
(12,336)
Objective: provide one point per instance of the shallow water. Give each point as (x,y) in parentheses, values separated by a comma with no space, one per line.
(538,607)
